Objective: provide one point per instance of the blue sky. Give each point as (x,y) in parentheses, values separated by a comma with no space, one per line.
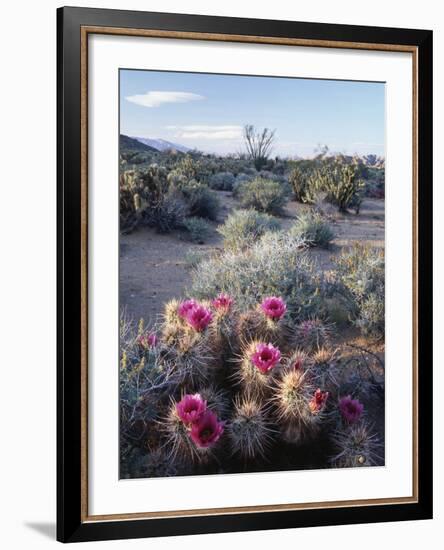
(208,111)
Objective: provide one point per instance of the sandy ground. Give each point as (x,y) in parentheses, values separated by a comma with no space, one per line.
(153,267)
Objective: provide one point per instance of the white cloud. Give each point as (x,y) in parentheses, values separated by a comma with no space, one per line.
(207,132)
(157,98)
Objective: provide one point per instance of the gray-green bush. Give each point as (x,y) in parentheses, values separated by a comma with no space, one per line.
(243,227)
(276,265)
(361,279)
(263,195)
(201,201)
(198,229)
(222,181)
(314,228)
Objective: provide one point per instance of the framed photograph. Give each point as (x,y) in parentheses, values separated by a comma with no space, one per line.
(244,274)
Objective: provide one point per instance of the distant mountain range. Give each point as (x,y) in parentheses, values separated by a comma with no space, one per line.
(130,144)
(161,144)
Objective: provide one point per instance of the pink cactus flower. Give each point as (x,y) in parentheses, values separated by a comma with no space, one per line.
(207,430)
(266,357)
(190,408)
(274,308)
(147,340)
(199,317)
(185,306)
(318,401)
(351,409)
(223,301)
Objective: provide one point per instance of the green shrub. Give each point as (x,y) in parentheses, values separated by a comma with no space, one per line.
(194,256)
(313,228)
(202,201)
(168,214)
(268,175)
(263,195)
(243,227)
(240,180)
(222,181)
(198,229)
(361,279)
(276,265)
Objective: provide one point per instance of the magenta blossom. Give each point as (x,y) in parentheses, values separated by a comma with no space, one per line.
(199,317)
(207,430)
(147,340)
(223,301)
(274,308)
(318,400)
(351,409)
(190,408)
(185,306)
(266,357)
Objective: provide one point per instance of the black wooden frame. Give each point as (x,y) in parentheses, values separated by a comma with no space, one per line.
(70,527)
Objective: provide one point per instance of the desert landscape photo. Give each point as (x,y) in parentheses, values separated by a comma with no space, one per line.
(252,274)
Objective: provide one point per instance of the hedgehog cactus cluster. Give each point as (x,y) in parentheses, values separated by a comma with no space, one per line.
(213,385)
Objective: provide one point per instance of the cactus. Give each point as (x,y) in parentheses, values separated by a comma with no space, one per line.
(248,325)
(312,334)
(298,181)
(149,463)
(217,400)
(192,358)
(324,368)
(292,395)
(297,360)
(256,367)
(249,432)
(179,445)
(292,399)
(212,378)
(356,446)
(145,200)
(342,185)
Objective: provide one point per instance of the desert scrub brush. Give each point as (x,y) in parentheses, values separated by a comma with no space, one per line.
(249,432)
(256,366)
(312,334)
(276,265)
(355,446)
